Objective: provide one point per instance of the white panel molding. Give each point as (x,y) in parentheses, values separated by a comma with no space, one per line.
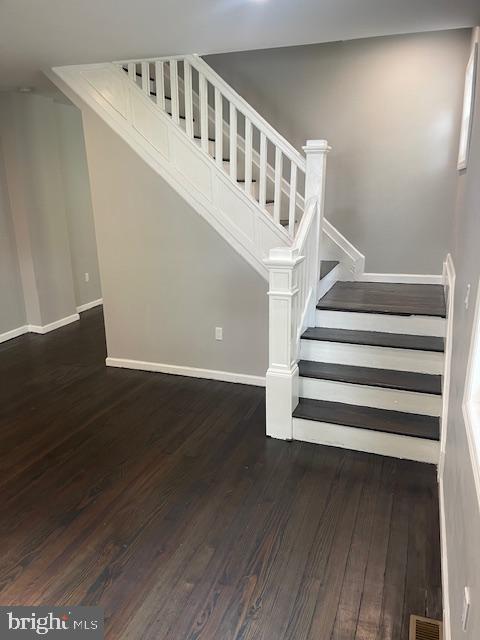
(400,278)
(370,396)
(449,280)
(73,82)
(385,444)
(191,372)
(13,333)
(362,355)
(46,328)
(447,630)
(89,305)
(412,325)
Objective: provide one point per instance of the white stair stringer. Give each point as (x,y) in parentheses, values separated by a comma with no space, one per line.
(151,133)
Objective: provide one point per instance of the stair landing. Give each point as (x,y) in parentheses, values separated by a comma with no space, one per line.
(385,298)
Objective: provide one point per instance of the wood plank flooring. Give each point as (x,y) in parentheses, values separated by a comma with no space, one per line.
(160,499)
(382,297)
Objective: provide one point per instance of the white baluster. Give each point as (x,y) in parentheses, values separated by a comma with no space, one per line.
(278,185)
(146,78)
(282,374)
(132,71)
(293,199)
(263,171)
(233,142)
(187,71)
(248,156)
(203,111)
(174,90)
(218,128)
(160,84)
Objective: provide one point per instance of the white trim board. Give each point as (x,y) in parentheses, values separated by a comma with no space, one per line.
(13,333)
(447,631)
(89,305)
(191,372)
(449,280)
(36,328)
(46,328)
(384,444)
(401,278)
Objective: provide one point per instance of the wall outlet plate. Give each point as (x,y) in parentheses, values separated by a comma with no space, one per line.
(218,333)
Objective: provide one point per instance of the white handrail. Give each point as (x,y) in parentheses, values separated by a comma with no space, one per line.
(284,203)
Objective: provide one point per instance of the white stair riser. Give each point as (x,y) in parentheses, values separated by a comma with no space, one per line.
(411,325)
(360,355)
(385,444)
(365,396)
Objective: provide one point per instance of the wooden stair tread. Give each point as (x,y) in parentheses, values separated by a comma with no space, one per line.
(369,376)
(376,339)
(394,422)
(326,266)
(385,298)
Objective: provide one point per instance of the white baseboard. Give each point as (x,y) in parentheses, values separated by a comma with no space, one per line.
(449,279)
(89,305)
(46,328)
(192,372)
(36,328)
(384,444)
(400,278)
(447,632)
(13,333)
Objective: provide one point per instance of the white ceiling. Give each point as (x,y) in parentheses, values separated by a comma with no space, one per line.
(35,34)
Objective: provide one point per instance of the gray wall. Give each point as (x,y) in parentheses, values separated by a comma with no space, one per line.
(168,278)
(390,107)
(12,307)
(52,231)
(78,204)
(461,499)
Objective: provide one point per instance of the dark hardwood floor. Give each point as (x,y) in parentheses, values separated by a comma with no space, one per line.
(382,297)
(160,499)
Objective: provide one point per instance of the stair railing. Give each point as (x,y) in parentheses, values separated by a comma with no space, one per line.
(196,89)
(294,273)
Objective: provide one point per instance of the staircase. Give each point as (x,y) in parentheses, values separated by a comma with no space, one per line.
(351,364)
(371,370)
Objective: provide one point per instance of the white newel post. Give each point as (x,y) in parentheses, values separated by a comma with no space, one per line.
(315,172)
(282,374)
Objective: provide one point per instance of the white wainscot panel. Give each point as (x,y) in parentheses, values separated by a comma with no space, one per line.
(150,124)
(268,238)
(190,164)
(110,86)
(233,206)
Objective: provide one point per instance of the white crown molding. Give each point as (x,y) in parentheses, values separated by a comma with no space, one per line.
(89,305)
(191,372)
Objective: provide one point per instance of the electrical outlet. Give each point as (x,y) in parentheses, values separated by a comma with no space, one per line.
(466,608)
(467,297)
(87,277)
(218,333)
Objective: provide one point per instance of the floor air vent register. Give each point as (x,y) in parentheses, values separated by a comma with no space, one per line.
(425,629)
